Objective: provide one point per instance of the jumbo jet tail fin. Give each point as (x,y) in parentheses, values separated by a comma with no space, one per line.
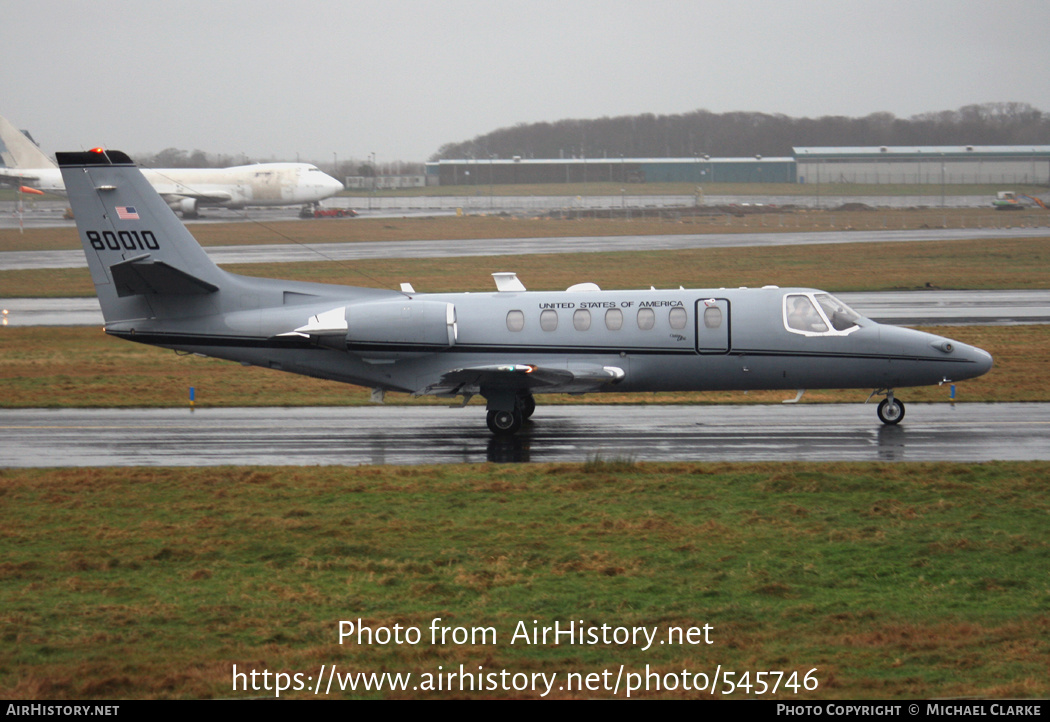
(144,262)
(18,152)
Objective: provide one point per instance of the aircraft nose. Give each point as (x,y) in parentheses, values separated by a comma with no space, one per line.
(982,359)
(979,361)
(334,184)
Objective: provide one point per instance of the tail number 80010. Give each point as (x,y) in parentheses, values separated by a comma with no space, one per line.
(123,240)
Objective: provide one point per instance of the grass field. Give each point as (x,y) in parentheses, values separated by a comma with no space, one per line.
(890,581)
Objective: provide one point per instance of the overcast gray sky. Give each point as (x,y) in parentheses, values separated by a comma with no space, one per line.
(402,77)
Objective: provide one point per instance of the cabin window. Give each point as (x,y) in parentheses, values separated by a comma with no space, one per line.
(581,319)
(646,319)
(677,317)
(515,320)
(614,319)
(549,320)
(712,317)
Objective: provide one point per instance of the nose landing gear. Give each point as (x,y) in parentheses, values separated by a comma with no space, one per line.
(890,410)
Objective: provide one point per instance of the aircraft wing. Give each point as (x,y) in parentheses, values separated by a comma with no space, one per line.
(203,196)
(573,378)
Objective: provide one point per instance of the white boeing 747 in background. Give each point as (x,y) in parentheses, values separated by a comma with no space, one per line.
(185,190)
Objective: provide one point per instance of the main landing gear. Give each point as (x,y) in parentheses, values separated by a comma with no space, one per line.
(890,410)
(507,422)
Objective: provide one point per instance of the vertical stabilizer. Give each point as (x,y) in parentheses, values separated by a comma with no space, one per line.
(144,262)
(18,152)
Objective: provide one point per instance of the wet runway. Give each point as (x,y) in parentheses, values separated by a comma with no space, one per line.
(437,435)
(299,253)
(897,307)
(48,213)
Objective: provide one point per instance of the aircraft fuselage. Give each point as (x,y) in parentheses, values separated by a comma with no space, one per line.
(662,340)
(189,189)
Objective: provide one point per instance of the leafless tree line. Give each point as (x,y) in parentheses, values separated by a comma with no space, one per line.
(742,134)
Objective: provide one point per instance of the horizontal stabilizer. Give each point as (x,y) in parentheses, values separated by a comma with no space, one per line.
(16,178)
(93,157)
(138,276)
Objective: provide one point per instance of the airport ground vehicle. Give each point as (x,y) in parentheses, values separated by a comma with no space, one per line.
(309,212)
(1010,201)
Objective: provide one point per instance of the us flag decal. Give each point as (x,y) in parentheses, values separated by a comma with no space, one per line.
(127,213)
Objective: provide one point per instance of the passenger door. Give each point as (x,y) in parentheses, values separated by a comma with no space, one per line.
(712,325)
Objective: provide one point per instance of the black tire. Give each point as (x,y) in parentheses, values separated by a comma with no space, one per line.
(891,414)
(528,406)
(504,423)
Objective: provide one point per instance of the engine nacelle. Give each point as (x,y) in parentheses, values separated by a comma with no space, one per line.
(403,325)
(187,207)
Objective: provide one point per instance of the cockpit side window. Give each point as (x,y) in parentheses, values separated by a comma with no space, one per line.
(818,314)
(802,315)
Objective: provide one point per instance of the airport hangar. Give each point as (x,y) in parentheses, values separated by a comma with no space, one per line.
(933,165)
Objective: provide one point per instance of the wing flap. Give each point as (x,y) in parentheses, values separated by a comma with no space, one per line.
(203,196)
(574,378)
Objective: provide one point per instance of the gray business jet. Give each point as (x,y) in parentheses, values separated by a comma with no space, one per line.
(157,286)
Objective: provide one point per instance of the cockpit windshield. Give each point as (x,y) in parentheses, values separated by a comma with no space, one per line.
(842,317)
(818,314)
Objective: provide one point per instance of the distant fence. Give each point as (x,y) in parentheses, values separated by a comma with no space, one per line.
(495,203)
(788,212)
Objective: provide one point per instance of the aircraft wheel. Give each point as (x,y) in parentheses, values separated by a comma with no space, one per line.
(891,412)
(528,406)
(504,423)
